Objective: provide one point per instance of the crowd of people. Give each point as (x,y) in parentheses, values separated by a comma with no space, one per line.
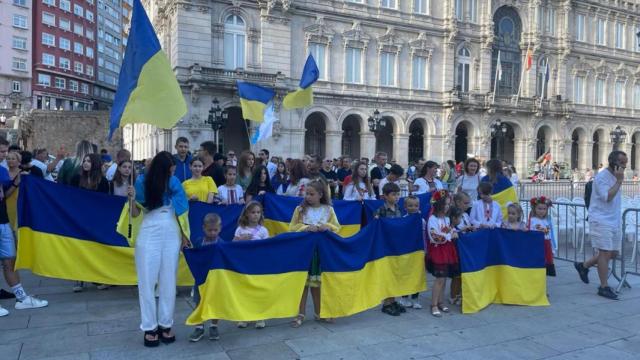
(461,202)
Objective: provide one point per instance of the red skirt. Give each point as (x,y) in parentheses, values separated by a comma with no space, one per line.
(548,258)
(442,260)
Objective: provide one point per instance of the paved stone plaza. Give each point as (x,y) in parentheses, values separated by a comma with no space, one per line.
(103,325)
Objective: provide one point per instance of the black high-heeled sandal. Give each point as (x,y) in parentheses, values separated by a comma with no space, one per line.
(151,343)
(166,331)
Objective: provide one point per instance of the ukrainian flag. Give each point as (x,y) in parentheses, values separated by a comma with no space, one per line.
(254,100)
(503,267)
(229,215)
(303,97)
(251,280)
(503,192)
(63,234)
(148,91)
(383,260)
(278,211)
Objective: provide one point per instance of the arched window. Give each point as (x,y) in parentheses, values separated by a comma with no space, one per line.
(234,42)
(463,69)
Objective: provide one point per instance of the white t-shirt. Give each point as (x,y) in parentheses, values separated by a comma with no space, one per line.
(486,214)
(231,194)
(257,233)
(469,185)
(42,166)
(423,186)
(601,211)
(111,171)
(384,181)
(351,193)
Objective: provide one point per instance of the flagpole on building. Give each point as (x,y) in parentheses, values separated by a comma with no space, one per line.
(495,81)
(544,82)
(526,62)
(131,203)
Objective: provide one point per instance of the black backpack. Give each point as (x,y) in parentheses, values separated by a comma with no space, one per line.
(588,187)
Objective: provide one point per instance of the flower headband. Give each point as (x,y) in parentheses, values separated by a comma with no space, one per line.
(438,195)
(541,200)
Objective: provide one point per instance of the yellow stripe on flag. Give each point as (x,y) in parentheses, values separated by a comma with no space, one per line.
(504,197)
(298,99)
(252,110)
(348,293)
(240,297)
(279,227)
(156,99)
(503,284)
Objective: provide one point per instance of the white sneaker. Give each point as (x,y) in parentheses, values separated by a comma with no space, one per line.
(103,286)
(78,286)
(416,305)
(3,311)
(31,302)
(242,324)
(260,324)
(405,302)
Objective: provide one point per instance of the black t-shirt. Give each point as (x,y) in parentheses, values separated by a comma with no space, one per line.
(216,172)
(103,185)
(329,175)
(4,216)
(343,173)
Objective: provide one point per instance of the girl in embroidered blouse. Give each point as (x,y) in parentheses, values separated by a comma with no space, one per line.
(360,187)
(539,221)
(314,214)
(514,218)
(442,257)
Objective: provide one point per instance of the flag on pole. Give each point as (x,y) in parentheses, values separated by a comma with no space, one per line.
(303,97)
(253,100)
(498,77)
(265,129)
(148,91)
(546,72)
(529,58)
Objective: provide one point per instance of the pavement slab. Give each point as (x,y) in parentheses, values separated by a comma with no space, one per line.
(103,324)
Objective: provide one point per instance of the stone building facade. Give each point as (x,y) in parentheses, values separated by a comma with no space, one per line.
(428,66)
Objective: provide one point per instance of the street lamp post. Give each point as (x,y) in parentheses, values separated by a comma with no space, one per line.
(217,119)
(376,122)
(618,137)
(499,132)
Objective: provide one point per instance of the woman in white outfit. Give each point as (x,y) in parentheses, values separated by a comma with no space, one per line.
(427,181)
(470,179)
(160,197)
(360,187)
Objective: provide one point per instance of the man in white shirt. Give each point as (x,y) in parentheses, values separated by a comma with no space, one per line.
(41,161)
(605,217)
(271,167)
(121,155)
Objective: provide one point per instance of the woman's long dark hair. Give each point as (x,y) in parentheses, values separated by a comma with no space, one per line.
(118,179)
(91,179)
(252,189)
(494,169)
(156,181)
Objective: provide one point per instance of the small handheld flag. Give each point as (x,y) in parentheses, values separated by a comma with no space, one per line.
(265,129)
(148,91)
(253,100)
(303,97)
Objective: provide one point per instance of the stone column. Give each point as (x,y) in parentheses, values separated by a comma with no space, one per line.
(367,145)
(637,164)
(584,155)
(481,147)
(606,146)
(401,149)
(426,146)
(333,142)
(435,152)
(521,155)
(296,146)
(563,149)
(626,147)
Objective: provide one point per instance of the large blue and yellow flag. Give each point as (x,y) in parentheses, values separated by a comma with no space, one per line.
(503,192)
(278,211)
(303,97)
(254,100)
(229,215)
(251,280)
(383,260)
(503,267)
(148,91)
(63,234)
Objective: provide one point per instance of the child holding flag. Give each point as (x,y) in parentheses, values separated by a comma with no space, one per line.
(539,221)
(314,214)
(412,206)
(250,228)
(211,226)
(486,212)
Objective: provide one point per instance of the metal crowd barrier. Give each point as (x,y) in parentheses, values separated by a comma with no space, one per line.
(569,190)
(630,254)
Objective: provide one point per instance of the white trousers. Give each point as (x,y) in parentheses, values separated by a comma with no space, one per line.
(157,250)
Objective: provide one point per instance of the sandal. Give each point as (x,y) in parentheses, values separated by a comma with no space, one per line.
(297,321)
(435,311)
(323,320)
(153,334)
(443,308)
(164,335)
